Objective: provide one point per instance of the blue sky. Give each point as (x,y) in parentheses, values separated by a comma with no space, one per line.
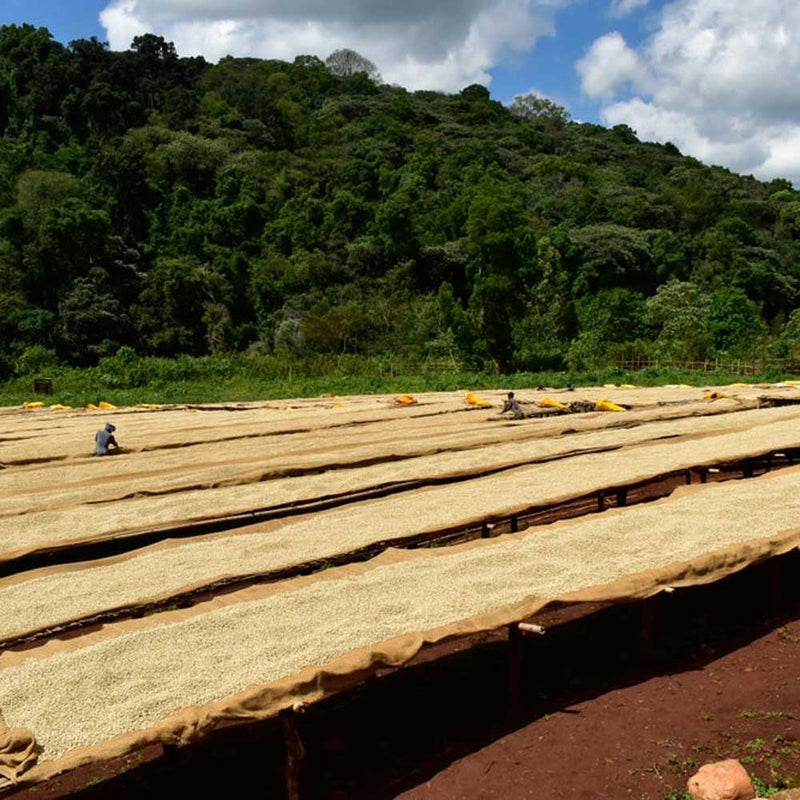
(65,19)
(715,77)
(550,67)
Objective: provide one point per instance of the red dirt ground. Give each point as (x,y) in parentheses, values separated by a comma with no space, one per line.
(645,740)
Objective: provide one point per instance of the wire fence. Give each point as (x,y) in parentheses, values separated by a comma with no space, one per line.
(733,367)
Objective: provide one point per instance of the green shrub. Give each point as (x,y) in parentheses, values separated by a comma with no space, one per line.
(36,359)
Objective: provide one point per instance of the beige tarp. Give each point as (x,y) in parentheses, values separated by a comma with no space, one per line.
(17,751)
(43,598)
(95,517)
(38,599)
(258,458)
(159,678)
(111,691)
(46,435)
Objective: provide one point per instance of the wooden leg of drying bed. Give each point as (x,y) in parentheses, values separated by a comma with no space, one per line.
(777,587)
(647,625)
(515,667)
(294,753)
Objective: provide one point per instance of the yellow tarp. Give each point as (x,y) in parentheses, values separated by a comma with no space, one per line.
(33,404)
(405,400)
(607,405)
(475,400)
(550,403)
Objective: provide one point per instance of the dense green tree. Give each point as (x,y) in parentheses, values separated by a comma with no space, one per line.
(606,256)
(70,239)
(92,321)
(787,346)
(502,270)
(733,322)
(40,192)
(678,313)
(172,306)
(540,109)
(548,319)
(302,207)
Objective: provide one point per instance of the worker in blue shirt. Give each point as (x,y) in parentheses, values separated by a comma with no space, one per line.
(104,439)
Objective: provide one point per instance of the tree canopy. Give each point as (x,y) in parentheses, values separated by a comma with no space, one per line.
(344,63)
(169,205)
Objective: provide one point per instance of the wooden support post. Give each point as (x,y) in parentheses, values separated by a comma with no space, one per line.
(647,625)
(747,472)
(777,587)
(622,497)
(601,502)
(294,753)
(515,667)
(688,477)
(703,475)
(486,530)
(514,525)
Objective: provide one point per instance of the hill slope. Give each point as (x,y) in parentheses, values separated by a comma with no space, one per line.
(181,207)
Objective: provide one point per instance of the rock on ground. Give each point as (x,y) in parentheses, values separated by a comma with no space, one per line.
(724,780)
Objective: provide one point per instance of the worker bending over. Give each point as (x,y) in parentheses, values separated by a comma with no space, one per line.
(512,405)
(104,439)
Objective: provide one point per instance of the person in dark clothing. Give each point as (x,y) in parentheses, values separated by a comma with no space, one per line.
(512,405)
(104,439)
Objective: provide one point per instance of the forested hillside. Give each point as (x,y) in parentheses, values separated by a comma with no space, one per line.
(175,206)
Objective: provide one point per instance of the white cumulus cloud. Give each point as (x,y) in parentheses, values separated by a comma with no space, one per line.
(446,44)
(621,8)
(716,77)
(608,65)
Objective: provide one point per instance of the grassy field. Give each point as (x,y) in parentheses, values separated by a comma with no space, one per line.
(127,379)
